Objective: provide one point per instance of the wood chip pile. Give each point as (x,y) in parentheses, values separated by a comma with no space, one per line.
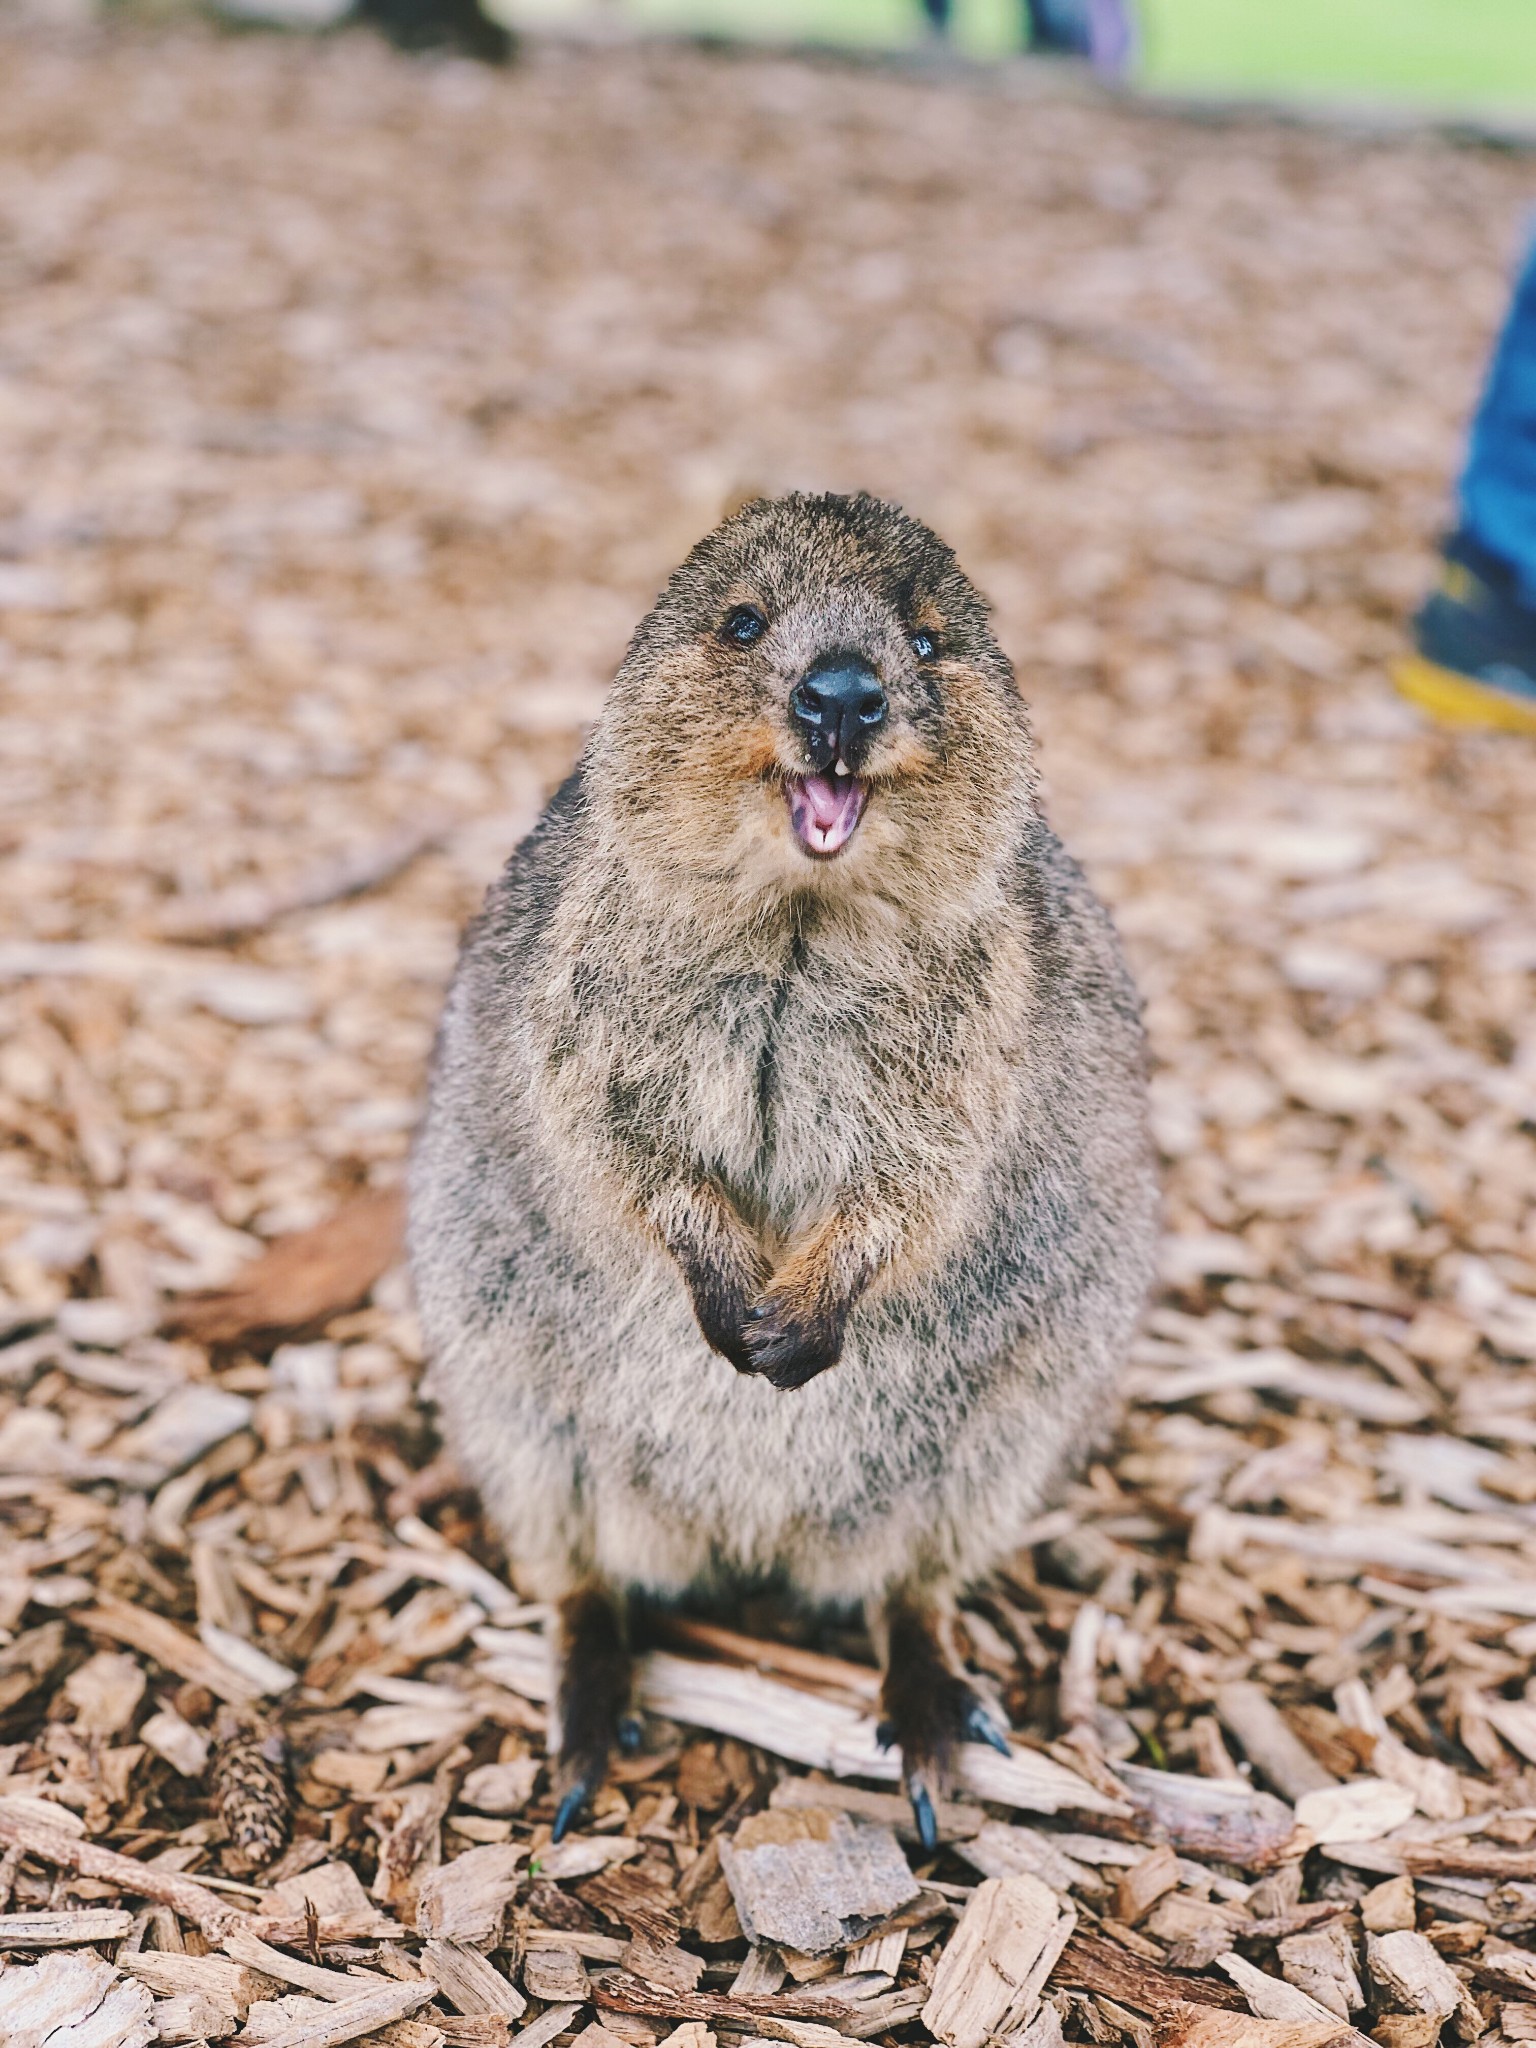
(350,412)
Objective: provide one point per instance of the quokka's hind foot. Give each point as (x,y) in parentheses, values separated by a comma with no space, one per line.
(929,1710)
(594,1691)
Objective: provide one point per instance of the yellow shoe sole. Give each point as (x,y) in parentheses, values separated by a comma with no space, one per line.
(1456,699)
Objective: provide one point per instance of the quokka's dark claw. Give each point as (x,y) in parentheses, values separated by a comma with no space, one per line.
(923,1814)
(979,1726)
(629,1733)
(886,1734)
(568,1812)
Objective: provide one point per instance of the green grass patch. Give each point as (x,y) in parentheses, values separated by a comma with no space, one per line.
(1437,53)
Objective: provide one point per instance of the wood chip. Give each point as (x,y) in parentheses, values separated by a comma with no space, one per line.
(956,1820)
(501,1788)
(184,1747)
(1435,1787)
(63,1930)
(465,1900)
(598,2036)
(1268,1742)
(691,2034)
(813,1880)
(584,1855)
(1220,1817)
(761,1975)
(469,1982)
(191,2017)
(556,1975)
(553,2021)
(1273,1998)
(1362,1811)
(1324,1966)
(1512,1969)
(1205,2026)
(1413,1977)
(996,1963)
(1095,1963)
(1389,1906)
(214,1978)
(182,1428)
(999,1849)
(1139,1888)
(259,1955)
(330,1890)
(72,1997)
(793,2017)
(347,2020)
(662,1962)
(409,1850)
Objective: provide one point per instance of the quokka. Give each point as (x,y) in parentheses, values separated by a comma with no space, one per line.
(784,1203)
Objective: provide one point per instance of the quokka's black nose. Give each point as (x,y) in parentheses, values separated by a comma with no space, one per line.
(838,706)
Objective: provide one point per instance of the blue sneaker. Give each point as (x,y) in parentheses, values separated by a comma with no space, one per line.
(1475,641)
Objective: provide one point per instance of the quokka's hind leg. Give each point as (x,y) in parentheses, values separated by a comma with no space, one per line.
(593,1698)
(929,1708)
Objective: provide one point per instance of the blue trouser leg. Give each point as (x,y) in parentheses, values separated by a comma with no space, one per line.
(1498,485)
(1097,29)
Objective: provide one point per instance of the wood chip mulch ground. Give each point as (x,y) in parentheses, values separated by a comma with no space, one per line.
(350,412)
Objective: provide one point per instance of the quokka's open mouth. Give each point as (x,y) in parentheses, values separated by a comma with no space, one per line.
(825,811)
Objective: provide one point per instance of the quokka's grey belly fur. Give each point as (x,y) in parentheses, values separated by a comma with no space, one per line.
(610,1441)
(621,1445)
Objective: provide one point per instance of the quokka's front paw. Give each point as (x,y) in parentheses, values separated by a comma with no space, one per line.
(789,1346)
(721,1307)
(722,1319)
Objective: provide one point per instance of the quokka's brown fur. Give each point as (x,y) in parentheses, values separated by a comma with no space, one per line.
(886,1109)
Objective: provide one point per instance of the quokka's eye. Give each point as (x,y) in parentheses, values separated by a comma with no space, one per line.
(924,646)
(745,626)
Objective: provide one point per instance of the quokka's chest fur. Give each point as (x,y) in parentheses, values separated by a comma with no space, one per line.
(791,1062)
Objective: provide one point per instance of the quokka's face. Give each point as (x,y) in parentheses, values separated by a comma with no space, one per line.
(816,698)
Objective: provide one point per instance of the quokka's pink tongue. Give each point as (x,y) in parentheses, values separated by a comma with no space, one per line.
(824,810)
